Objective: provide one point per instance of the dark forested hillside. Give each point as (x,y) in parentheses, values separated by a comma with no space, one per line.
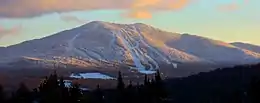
(227,85)
(239,84)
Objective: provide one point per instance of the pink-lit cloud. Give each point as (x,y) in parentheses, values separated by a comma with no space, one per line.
(229,7)
(178,4)
(233,6)
(10,31)
(143,9)
(138,14)
(137,8)
(29,8)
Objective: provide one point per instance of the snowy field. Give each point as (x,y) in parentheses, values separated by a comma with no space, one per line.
(143,71)
(147,72)
(90,76)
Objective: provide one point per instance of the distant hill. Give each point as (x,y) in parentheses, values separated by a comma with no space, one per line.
(221,85)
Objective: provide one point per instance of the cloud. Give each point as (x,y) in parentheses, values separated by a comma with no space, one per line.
(140,9)
(139,14)
(30,8)
(178,4)
(10,32)
(233,6)
(137,8)
(229,7)
(145,3)
(143,9)
(70,18)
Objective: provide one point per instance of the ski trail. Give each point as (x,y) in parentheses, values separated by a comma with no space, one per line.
(154,50)
(136,51)
(137,55)
(71,42)
(112,41)
(92,54)
(136,60)
(79,51)
(142,41)
(71,48)
(112,46)
(135,47)
(153,61)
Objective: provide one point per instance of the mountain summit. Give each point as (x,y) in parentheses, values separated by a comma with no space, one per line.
(141,47)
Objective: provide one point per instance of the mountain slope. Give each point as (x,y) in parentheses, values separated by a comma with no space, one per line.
(213,50)
(247,46)
(138,46)
(103,42)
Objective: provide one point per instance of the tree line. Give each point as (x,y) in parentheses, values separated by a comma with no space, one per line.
(53,90)
(239,84)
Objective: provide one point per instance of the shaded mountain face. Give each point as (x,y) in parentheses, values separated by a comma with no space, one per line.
(247,46)
(225,84)
(213,50)
(138,46)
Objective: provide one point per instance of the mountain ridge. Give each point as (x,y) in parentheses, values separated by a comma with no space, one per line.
(251,47)
(138,44)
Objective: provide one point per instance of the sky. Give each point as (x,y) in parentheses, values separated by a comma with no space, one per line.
(226,20)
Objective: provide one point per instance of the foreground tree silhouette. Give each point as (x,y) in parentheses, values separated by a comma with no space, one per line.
(120,82)
(161,95)
(75,93)
(22,95)
(236,97)
(120,88)
(130,93)
(254,91)
(52,90)
(49,90)
(220,86)
(98,95)
(2,94)
(64,91)
(146,80)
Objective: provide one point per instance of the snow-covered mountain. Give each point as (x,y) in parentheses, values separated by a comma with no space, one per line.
(141,46)
(214,50)
(247,46)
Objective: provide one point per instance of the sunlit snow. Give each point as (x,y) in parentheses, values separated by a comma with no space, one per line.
(147,71)
(84,89)
(90,76)
(68,84)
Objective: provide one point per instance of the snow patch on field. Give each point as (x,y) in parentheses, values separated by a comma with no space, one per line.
(68,84)
(84,89)
(90,76)
(147,72)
